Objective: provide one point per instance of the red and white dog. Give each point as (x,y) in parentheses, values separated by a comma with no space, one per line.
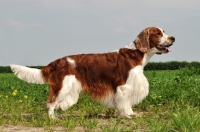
(115,79)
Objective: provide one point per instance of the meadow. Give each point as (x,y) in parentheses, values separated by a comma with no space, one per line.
(173,105)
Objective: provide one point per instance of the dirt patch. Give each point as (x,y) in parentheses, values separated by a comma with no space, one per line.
(19,128)
(11,128)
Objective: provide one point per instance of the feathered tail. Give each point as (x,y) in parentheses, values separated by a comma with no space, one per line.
(30,75)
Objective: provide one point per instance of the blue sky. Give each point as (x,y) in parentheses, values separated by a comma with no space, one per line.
(36,32)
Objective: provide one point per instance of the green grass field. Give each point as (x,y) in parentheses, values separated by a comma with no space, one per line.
(173,104)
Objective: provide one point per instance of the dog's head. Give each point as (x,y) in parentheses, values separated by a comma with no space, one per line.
(155,40)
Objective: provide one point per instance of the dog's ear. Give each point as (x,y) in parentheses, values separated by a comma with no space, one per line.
(142,41)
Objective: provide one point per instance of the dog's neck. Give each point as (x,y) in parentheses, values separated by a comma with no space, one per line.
(147,57)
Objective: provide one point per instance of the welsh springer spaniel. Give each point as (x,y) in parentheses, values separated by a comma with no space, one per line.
(115,79)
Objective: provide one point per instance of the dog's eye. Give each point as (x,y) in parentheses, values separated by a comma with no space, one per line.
(159,33)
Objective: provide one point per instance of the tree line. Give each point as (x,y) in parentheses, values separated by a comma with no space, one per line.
(171,65)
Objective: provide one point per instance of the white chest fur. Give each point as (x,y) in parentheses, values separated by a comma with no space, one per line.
(138,85)
(131,93)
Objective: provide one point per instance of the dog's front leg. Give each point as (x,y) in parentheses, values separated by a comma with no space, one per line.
(122,101)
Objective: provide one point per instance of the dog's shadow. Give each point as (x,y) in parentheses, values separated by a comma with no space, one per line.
(109,114)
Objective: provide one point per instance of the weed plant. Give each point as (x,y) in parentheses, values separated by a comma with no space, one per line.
(171,106)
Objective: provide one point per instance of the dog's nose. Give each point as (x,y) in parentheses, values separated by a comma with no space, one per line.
(173,38)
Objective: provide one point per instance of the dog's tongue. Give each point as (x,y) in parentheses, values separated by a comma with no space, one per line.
(170,50)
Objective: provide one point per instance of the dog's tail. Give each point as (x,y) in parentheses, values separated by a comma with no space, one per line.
(30,75)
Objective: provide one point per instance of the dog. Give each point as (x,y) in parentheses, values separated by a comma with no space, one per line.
(115,79)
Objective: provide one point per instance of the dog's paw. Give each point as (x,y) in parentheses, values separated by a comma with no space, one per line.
(125,116)
(54,116)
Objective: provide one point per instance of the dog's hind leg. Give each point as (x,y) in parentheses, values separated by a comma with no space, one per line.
(51,102)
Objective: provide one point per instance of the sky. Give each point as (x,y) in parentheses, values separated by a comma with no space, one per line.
(37,32)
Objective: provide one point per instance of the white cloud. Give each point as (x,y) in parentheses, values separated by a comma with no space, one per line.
(15,23)
(120,30)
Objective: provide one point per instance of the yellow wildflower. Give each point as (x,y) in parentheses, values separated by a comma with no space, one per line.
(6,96)
(19,101)
(14,94)
(15,90)
(25,96)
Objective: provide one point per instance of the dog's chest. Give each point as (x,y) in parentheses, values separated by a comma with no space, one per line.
(138,85)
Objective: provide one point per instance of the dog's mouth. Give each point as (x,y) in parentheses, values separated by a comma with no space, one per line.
(164,48)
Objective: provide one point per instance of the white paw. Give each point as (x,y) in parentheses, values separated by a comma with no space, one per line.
(52,116)
(125,116)
(130,112)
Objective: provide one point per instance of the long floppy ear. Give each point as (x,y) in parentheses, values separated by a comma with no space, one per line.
(142,41)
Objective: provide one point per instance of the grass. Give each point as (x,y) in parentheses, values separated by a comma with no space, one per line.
(171,106)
